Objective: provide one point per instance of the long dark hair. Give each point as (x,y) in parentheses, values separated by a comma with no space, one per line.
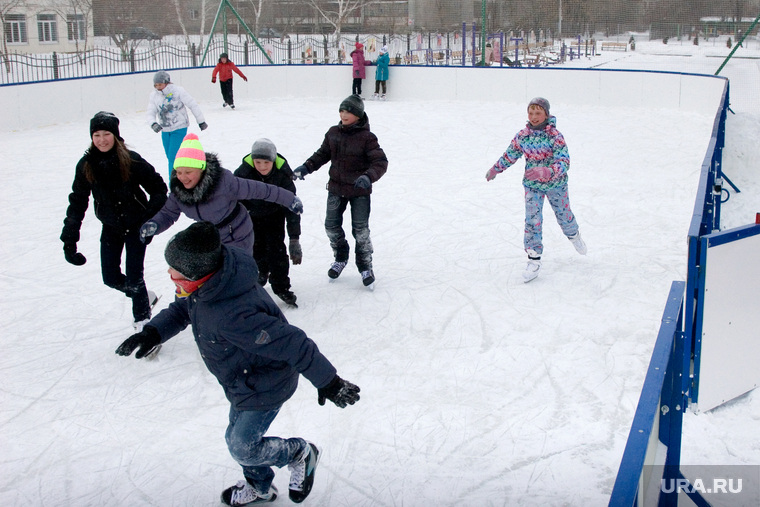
(122,154)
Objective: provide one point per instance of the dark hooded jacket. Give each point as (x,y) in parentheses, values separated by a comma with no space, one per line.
(215,199)
(244,338)
(281,176)
(352,151)
(122,205)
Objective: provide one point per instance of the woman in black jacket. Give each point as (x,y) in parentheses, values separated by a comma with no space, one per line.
(116,178)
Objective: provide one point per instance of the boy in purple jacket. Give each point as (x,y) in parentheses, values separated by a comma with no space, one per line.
(255,354)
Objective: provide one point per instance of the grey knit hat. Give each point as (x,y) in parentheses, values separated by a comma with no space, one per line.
(196,251)
(541,102)
(353,104)
(264,149)
(161,77)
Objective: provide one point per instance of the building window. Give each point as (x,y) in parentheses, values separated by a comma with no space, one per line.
(15,29)
(47,29)
(194,14)
(76,27)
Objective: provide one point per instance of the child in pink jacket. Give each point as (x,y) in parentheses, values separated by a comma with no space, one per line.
(357,55)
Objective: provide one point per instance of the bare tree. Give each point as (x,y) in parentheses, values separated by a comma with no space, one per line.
(5,7)
(76,8)
(336,12)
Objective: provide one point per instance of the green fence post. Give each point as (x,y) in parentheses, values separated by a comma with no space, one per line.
(55,65)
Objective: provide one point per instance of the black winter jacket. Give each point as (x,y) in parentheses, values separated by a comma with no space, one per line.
(353,151)
(118,204)
(281,176)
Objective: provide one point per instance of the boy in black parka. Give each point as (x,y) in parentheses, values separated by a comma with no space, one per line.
(266,165)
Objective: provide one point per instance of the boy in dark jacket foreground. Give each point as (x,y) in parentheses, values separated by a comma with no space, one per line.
(254,353)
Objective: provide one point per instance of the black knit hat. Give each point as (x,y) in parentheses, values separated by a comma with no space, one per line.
(103,120)
(196,251)
(353,104)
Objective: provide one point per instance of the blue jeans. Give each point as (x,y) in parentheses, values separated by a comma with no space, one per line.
(534,202)
(254,452)
(360,208)
(172,141)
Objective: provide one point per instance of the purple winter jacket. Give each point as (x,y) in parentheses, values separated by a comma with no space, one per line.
(357,55)
(215,199)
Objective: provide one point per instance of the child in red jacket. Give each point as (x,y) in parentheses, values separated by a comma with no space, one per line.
(224,68)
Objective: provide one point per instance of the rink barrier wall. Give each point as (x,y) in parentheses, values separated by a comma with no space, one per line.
(42,104)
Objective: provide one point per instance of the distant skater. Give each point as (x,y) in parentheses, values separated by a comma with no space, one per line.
(381,73)
(546,164)
(224,68)
(167,113)
(358,70)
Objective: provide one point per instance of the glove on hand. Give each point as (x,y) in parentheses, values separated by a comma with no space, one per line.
(213,80)
(203,125)
(71,254)
(541,173)
(363,182)
(296,253)
(340,392)
(491,174)
(147,230)
(296,206)
(147,340)
(300,172)
(156,127)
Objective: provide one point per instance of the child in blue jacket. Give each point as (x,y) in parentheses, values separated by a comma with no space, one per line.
(255,354)
(546,164)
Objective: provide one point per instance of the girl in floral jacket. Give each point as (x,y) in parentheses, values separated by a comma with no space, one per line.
(546,166)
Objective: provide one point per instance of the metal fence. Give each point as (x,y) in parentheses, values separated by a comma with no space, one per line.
(460,48)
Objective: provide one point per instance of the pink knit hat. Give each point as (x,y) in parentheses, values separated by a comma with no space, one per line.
(190,153)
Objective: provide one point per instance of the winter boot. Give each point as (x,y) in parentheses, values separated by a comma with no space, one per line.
(578,243)
(368,279)
(288,297)
(336,269)
(533,267)
(243,494)
(302,473)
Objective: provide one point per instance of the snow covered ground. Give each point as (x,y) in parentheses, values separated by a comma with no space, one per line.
(477,389)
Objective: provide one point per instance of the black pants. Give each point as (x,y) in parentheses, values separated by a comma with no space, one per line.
(226,87)
(112,243)
(269,250)
(378,83)
(356,86)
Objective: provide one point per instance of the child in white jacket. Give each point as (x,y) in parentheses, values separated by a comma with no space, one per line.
(167,113)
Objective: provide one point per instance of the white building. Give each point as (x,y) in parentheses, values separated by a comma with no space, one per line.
(44,26)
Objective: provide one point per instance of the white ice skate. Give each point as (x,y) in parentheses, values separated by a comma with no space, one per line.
(578,243)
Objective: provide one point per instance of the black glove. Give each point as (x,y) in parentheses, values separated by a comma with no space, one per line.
(147,340)
(340,392)
(363,182)
(203,125)
(147,230)
(156,127)
(72,256)
(300,172)
(296,253)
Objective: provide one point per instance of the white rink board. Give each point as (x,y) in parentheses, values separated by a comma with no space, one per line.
(731,322)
